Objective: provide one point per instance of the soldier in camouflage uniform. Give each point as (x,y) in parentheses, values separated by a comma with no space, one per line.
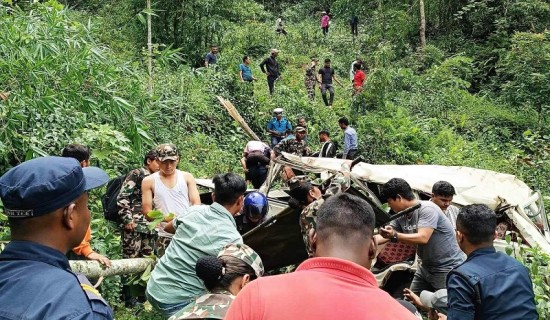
(339,183)
(296,145)
(214,305)
(137,239)
(310,78)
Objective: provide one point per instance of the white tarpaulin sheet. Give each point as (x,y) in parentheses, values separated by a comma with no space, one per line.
(473,186)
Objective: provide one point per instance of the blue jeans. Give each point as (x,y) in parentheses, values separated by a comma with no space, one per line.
(167,309)
(275,140)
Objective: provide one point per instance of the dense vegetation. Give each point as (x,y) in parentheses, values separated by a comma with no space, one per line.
(476,95)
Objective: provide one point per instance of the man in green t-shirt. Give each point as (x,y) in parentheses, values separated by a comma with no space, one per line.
(200,231)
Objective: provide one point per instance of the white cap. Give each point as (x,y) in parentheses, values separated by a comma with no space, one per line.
(278,110)
(436,300)
(274,50)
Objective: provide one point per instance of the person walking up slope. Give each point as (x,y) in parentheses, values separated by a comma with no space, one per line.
(325,23)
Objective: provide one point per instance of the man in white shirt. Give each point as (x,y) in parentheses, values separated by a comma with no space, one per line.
(169,191)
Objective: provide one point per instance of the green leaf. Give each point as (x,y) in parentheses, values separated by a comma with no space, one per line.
(141,18)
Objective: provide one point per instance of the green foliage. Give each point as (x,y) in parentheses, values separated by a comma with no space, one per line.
(474,96)
(157,217)
(525,70)
(537,262)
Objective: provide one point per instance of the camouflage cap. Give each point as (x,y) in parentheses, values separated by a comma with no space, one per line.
(167,151)
(300,129)
(246,254)
(297,181)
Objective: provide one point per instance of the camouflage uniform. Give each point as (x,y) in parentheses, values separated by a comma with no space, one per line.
(340,183)
(140,241)
(246,254)
(310,81)
(293,146)
(208,306)
(214,305)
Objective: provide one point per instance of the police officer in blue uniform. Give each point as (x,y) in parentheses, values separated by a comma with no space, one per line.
(46,201)
(489,285)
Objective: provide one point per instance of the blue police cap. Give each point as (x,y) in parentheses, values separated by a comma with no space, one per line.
(43,185)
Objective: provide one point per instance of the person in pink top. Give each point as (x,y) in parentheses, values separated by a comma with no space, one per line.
(336,283)
(325,22)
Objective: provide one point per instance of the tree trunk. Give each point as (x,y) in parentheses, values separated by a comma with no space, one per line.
(93,269)
(149,51)
(422,26)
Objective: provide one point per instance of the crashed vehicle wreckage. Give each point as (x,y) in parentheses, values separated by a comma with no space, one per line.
(278,240)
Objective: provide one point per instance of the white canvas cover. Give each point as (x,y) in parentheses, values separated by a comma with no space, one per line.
(473,186)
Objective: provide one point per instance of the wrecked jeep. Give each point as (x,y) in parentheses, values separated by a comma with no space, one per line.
(520,211)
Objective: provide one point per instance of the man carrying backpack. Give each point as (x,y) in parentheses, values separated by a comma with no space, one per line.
(137,239)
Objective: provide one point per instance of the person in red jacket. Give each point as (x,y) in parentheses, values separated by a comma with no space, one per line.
(358,79)
(336,283)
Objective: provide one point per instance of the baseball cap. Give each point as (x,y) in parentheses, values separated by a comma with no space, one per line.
(42,185)
(278,110)
(274,50)
(167,151)
(435,300)
(300,129)
(246,254)
(295,184)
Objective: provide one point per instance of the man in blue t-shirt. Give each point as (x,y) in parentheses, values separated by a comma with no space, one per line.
(278,126)
(245,73)
(211,57)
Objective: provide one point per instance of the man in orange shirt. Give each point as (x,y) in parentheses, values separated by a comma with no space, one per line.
(82,154)
(336,283)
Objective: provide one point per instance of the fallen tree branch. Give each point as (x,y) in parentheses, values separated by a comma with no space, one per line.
(93,269)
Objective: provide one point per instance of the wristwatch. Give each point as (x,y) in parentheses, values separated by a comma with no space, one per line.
(393,238)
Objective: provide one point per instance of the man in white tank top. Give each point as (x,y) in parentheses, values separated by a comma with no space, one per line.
(169,191)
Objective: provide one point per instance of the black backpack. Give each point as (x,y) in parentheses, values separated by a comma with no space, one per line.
(109,199)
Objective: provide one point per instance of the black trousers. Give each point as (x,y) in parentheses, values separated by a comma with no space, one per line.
(271,83)
(352,154)
(257,176)
(354,29)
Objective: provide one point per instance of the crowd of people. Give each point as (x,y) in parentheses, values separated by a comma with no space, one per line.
(206,271)
(322,78)
(313,78)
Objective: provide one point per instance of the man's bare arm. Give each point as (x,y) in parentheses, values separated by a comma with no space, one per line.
(147,186)
(194,196)
(421,237)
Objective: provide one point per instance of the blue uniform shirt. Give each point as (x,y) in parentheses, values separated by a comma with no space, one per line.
(36,282)
(279,126)
(505,288)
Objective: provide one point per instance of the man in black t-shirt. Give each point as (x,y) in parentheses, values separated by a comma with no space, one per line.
(270,67)
(325,77)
